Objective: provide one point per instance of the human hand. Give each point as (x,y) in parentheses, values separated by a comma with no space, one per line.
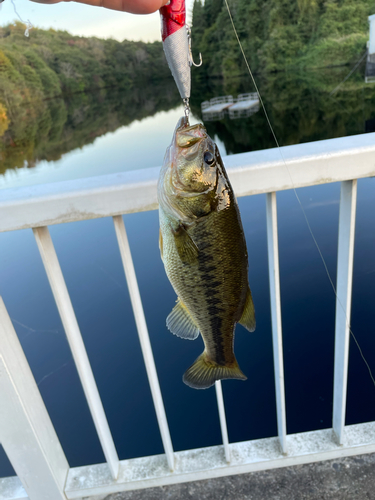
(132,6)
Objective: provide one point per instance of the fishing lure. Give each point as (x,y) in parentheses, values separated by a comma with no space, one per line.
(176,36)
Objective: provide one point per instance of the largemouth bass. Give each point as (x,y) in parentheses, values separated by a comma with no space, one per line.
(203,249)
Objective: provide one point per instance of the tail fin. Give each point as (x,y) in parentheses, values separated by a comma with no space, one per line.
(203,372)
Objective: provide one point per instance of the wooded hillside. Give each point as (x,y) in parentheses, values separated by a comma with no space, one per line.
(35,124)
(277,34)
(105,84)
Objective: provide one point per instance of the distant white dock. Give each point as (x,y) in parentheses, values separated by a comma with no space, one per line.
(243,106)
(216,107)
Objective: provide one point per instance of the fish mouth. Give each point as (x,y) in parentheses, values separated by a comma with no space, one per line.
(186,135)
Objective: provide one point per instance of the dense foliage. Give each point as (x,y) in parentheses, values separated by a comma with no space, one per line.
(287,43)
(36,125)
(302,106)
(276,34)
(59,91)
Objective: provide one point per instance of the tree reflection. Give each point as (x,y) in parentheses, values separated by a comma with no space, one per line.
(300,107)
(66,124)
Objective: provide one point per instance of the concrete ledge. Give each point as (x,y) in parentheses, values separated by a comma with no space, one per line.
(94,482)
(350,478)
(206,463)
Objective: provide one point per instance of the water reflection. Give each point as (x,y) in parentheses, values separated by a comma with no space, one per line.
(140,145)
(67,124)
(301,108)
(242,106)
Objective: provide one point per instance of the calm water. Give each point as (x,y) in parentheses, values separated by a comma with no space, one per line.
(92,268)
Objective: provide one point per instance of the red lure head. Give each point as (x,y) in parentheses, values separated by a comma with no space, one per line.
(173,17)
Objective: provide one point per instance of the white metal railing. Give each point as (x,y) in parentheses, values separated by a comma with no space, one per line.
(277,342)
(26,431)
(250,96)
(221,100)
(69,321)
(140,320)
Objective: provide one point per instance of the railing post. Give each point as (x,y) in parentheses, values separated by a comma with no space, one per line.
(26,431)
(223,421)
(348,201)
(69,321)
(144,338)
(274,277)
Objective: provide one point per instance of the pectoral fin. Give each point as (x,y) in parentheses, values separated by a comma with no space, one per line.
(248,316)
(186,248)
(180,323)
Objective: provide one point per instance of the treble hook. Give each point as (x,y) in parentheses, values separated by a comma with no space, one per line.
(191,60)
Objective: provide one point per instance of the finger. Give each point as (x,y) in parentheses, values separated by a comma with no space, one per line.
(46,1)
(134,7)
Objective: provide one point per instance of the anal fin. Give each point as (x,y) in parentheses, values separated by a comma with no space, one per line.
(180,323)
(248,316)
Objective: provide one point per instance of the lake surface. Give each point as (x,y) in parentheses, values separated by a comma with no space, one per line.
(301,110)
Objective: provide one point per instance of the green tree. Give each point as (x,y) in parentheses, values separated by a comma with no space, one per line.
(277,34)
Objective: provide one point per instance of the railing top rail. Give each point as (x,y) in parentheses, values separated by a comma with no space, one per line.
(247,96)
(331,160)
(221,99)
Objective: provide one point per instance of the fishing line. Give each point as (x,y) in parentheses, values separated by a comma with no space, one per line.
(350,74)
(295,191)
(330,95)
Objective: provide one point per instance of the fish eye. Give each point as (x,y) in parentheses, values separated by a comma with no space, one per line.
(208,158)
